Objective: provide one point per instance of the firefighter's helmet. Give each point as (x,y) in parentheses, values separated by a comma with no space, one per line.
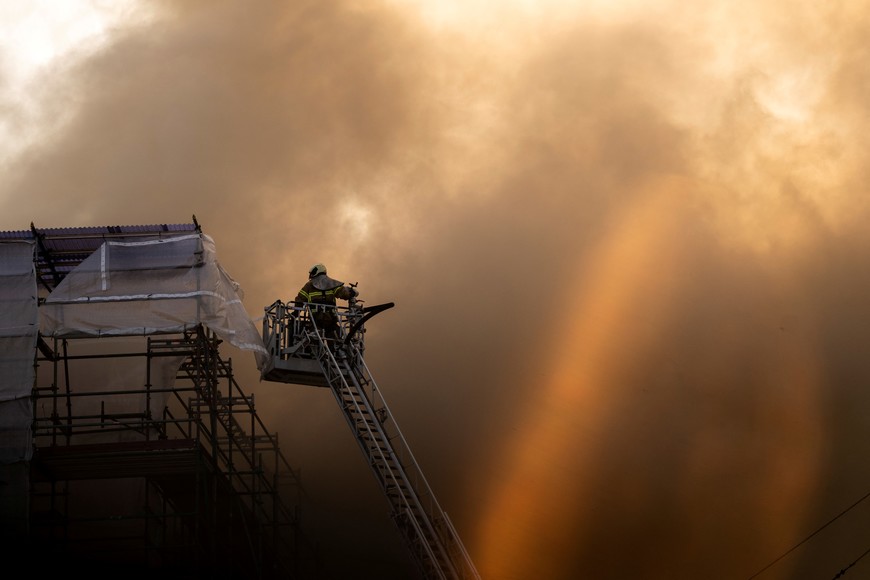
(316,269)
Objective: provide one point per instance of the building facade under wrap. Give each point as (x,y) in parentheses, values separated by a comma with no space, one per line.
(111,375)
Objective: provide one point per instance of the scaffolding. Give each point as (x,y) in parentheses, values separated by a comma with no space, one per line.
(209,480)
(141,451)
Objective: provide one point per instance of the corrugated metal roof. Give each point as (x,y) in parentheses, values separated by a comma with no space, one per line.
(99,231)
(59,250)
(16,235)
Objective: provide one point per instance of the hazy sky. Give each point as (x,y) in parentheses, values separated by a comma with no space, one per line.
(626,241)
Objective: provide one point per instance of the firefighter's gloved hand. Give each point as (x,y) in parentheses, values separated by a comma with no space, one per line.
(353,292)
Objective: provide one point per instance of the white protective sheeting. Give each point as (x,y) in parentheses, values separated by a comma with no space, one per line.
(149,287)
(18,334)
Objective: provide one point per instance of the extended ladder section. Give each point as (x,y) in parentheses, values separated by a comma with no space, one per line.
(302,353)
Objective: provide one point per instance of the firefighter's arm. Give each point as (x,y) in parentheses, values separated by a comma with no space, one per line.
(300,301)
(347,292)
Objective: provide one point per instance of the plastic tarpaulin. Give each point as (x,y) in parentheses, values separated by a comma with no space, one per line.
(18,335)
(148,287)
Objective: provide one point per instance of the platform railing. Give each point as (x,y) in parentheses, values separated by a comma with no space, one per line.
(286,327)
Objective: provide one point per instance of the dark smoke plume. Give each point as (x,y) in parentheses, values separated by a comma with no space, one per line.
(626,247)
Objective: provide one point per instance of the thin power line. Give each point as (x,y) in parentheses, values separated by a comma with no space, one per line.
(858,559)
(802,542)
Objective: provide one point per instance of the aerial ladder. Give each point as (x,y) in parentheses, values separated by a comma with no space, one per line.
(302,353)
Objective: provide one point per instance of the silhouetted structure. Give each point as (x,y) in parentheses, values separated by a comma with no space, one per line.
(125,440)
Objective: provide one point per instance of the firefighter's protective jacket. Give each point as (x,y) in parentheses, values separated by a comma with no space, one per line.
(323,291)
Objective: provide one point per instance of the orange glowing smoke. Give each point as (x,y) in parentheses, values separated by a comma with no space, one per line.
(530,525)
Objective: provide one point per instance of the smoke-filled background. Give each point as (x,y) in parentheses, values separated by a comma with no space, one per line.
(627,243)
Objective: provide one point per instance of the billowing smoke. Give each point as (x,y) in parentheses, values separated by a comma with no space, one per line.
(626,247)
